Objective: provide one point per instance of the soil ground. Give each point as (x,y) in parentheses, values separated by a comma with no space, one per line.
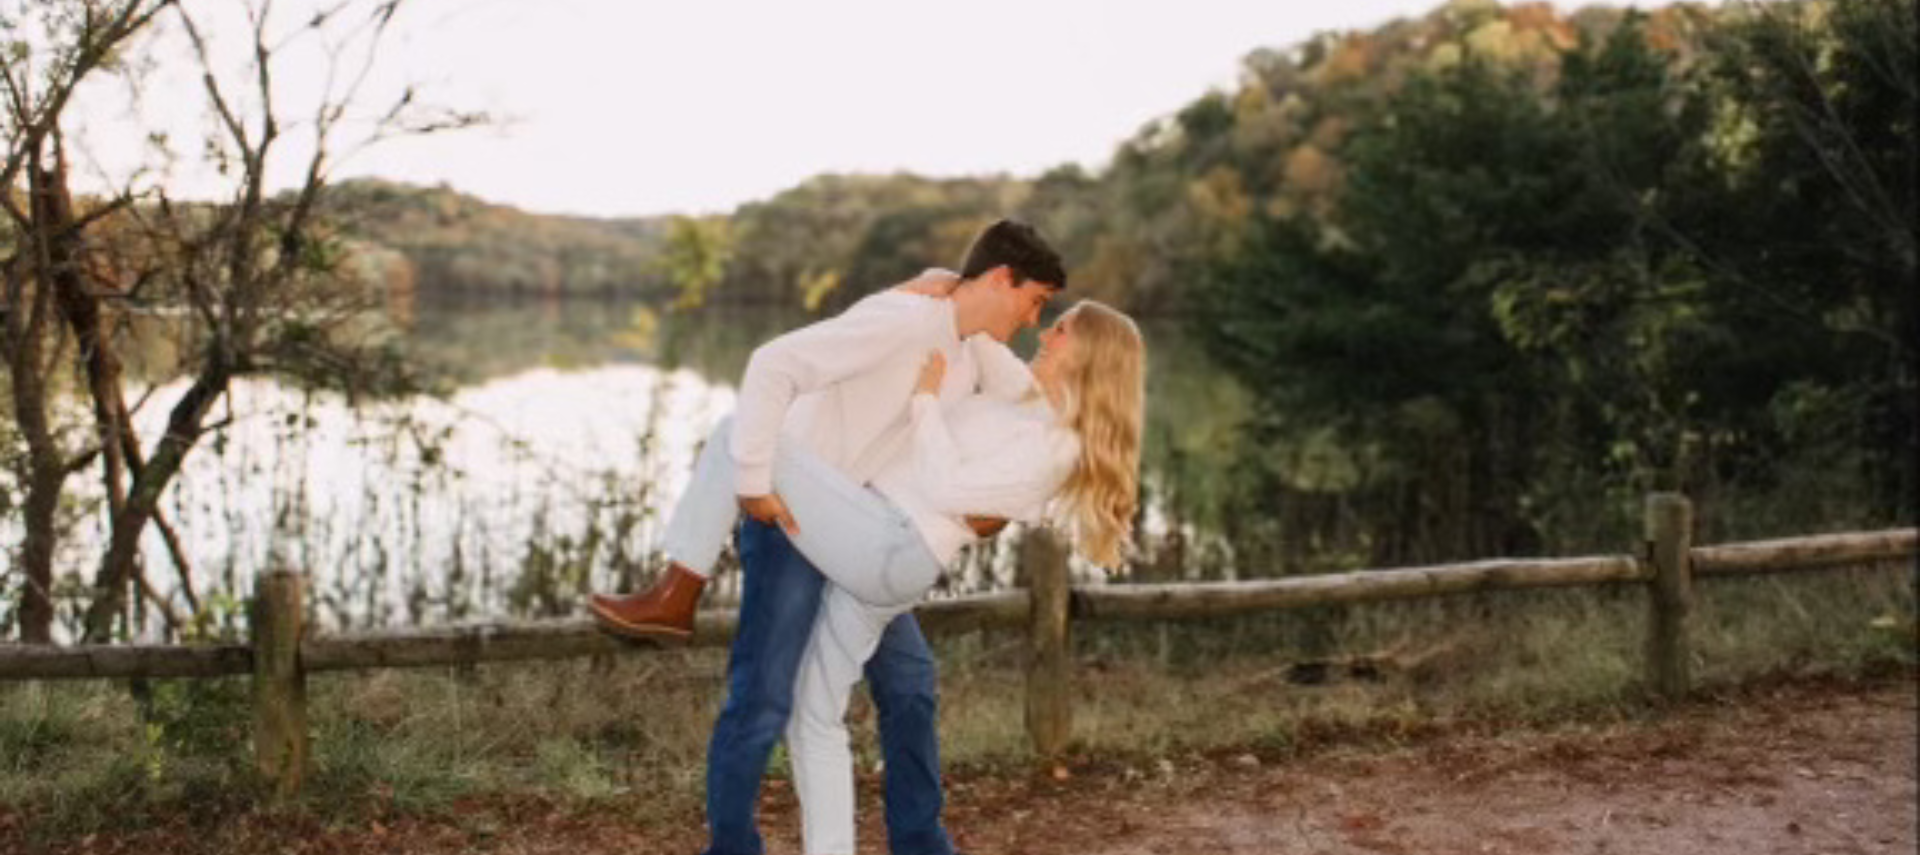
(1784,769)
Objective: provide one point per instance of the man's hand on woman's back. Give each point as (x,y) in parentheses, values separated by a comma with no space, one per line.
(985,527)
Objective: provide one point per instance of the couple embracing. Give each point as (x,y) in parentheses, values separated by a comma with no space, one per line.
(865,451)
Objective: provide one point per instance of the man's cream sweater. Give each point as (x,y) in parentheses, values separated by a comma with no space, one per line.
(842,387)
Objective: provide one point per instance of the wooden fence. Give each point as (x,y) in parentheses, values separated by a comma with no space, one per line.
(282,652)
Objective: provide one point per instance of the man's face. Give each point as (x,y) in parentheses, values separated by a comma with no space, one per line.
(1017,307)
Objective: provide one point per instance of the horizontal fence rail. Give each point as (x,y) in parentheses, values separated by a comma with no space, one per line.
(442,646)
(111,661)
(1216,599)
(472,644)
(283,651)
(1805,553)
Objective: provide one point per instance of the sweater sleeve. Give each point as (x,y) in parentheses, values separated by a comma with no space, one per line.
(1002,375)
(1015,482)
(872,333)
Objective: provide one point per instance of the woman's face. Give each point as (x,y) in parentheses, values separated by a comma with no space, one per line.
(1057,346)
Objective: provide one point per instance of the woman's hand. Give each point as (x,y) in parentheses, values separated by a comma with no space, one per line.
(771,510)
(931,373)
(932,282)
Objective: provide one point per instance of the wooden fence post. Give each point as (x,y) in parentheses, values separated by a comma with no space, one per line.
(1669,525)
(279,682)
(1049,658)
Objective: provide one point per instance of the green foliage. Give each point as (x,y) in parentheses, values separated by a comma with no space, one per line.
(208,718)
(835,238)
(696,255)
(1817,249)
(1549,269)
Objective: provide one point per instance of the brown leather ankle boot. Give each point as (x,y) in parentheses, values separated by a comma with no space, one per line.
(664,611)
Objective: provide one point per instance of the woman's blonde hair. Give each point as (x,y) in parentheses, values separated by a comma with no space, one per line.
(1106,391)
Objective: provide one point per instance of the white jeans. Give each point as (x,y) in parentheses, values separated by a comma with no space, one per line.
(877,566)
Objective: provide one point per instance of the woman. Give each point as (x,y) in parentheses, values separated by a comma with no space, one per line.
(1060,437)
(1069,445)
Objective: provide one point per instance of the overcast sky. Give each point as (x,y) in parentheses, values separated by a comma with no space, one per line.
(620,107)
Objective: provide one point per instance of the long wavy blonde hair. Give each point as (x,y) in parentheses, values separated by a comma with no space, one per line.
(1104,407)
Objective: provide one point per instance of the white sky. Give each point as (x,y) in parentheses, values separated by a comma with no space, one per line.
(622,107)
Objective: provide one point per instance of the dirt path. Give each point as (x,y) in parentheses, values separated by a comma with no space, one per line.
(1797,770)
(1805,768)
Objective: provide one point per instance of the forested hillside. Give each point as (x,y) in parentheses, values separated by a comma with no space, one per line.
(460,245)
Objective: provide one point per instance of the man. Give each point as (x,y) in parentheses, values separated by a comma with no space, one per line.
(841,388)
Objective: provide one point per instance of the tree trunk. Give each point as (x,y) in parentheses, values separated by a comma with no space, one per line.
(30,329)
(46,475)
(119,448)
(41,516)
(82,310)
(183,430)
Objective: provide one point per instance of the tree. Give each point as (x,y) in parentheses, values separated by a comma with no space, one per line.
(1818,102)
(1475,313)
(695,257)
(1378,320)
(50,50)
(1680,256)
(263,277)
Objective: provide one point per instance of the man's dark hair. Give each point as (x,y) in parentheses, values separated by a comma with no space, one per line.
(1019,247)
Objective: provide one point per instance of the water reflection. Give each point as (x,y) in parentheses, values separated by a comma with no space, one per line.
(504,498)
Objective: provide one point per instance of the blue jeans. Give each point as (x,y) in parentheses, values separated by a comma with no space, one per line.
(779,600)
